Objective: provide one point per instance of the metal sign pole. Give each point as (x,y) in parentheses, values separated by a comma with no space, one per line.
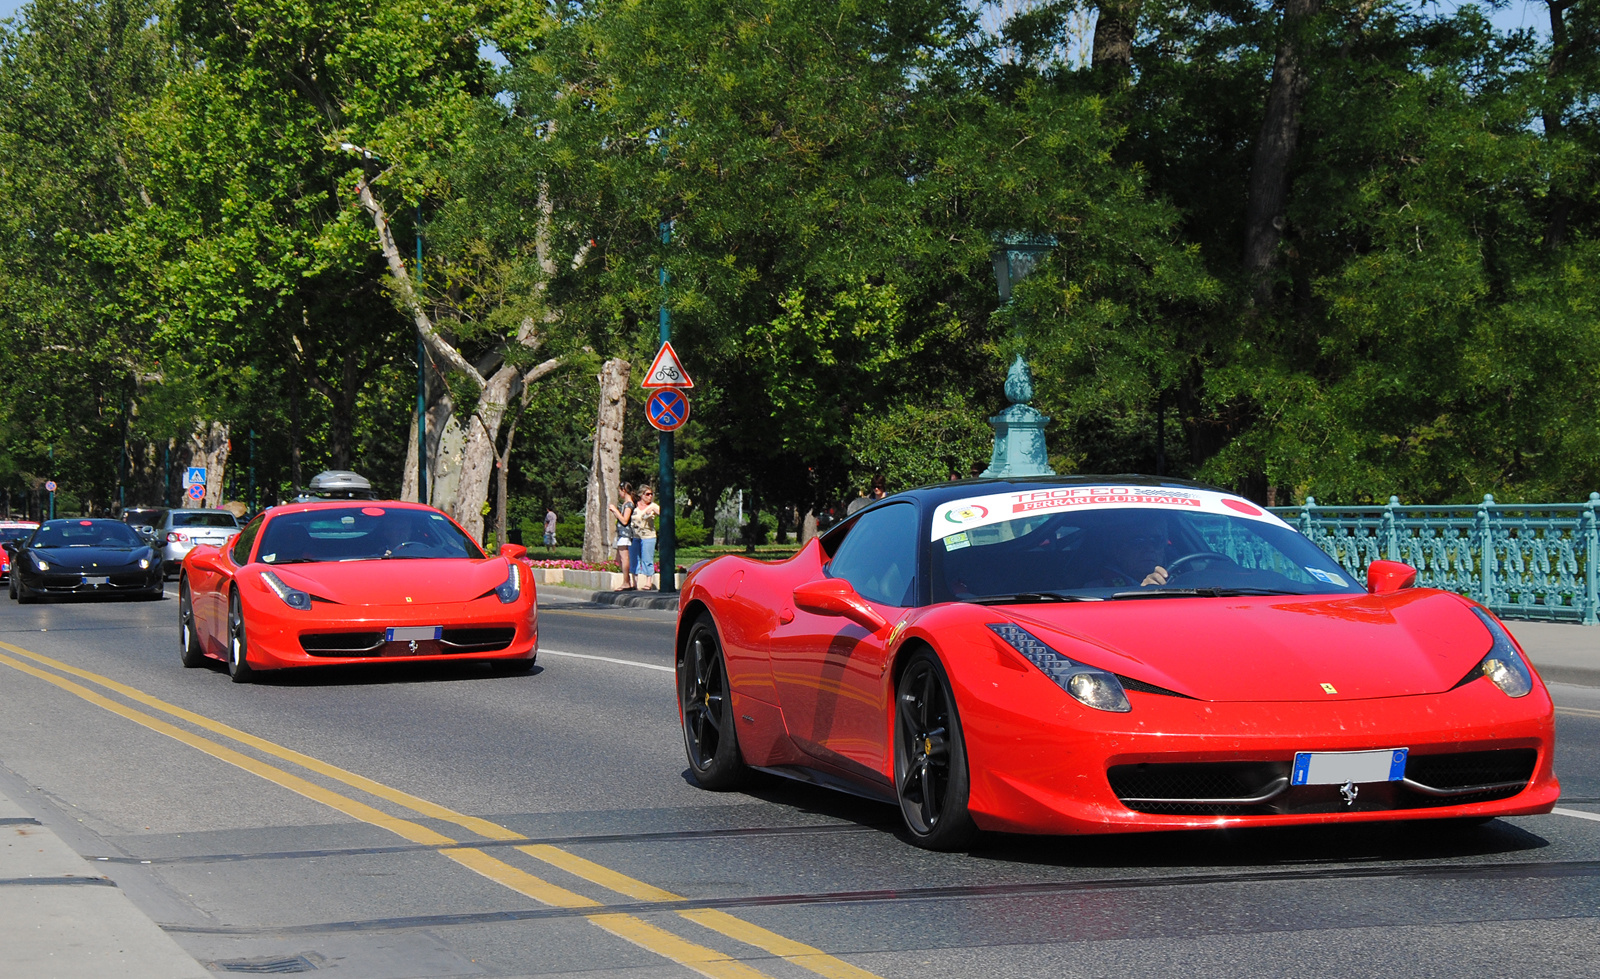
(666,529)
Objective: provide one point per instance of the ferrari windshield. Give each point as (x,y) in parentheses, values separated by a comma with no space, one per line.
(362,533)
(87,533)
(1101,548)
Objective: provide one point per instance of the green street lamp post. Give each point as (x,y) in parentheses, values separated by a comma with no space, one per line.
(1019,448)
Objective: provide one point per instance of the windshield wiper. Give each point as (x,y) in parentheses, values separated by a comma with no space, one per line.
(1031,597)
(296,560)
(1198,593)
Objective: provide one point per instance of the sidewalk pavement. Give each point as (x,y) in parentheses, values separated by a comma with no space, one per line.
(65,920)
(1562,652)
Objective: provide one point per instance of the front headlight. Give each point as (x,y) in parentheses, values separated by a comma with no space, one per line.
(1503,665)
(1090,686)
(509,589)
(292,597)
(144,564)
(41,562)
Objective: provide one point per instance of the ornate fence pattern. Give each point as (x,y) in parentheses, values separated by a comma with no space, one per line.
(1523,560)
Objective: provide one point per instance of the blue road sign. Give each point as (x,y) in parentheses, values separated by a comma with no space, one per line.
(194,474)
(667,409)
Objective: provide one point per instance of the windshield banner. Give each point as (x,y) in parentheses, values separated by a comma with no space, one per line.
(981,511)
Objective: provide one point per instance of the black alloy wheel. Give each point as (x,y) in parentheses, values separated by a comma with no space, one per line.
(930,757)
(20,590)
(238,648)
(188,640)
(707,710)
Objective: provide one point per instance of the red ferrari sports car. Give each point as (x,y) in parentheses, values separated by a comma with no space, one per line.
(1104,654)
(355,582)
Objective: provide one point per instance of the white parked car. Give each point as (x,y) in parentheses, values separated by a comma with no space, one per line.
(181,530)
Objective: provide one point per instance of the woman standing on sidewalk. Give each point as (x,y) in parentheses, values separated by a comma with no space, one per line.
(643,528)
(624,542)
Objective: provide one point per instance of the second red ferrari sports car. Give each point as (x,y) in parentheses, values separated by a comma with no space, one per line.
(353,582)
(1105,654)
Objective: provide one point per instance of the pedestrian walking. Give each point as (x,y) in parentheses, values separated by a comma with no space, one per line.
(550,528)
(643,529)
(623,511)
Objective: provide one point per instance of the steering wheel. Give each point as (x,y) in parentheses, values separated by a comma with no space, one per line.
(1172,569)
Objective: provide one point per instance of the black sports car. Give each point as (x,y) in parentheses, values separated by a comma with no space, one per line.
(84,557)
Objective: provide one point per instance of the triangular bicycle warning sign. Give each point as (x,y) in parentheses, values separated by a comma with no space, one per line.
(666,371)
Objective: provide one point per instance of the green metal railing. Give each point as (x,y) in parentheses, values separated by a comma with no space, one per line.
(1523,560)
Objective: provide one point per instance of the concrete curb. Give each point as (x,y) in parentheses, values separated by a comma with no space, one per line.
(66,920)
(622,599)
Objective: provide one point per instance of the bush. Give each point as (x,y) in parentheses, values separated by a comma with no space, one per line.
(691,532)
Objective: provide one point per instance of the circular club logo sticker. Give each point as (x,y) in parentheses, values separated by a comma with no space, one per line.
(960,515)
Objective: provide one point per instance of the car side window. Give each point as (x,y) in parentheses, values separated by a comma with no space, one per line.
(246,540)
(879,556)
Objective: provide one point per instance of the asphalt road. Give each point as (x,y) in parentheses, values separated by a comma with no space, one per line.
(450,822)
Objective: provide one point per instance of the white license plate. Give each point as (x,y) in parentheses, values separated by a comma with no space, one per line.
(411,633)
(1339,767)
(101,580)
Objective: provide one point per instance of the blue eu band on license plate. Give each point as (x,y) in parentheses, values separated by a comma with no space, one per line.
(1339,767)
(412,633)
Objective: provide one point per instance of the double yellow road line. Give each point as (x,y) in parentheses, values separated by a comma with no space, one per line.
(699,958)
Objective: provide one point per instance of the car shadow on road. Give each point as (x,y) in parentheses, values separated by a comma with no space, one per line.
(1430,840)
(379,674)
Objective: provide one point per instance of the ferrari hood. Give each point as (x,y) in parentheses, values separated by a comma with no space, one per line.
(1273,649)
(418,581)
(89,559)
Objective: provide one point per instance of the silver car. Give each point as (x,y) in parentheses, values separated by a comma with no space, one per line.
(181,530)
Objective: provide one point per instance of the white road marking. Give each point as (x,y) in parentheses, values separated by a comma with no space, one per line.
(1577,813)
(609,659)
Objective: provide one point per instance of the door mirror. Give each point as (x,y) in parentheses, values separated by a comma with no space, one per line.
(1384,577)
(834,596)
(509,550)
(204,556)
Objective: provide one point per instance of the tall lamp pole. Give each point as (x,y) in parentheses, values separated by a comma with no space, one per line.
(1019,448)
(422,388)
(666,530)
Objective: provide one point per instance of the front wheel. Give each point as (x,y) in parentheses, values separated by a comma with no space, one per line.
(238,648)
(188,641)
(930,757)
(707,709)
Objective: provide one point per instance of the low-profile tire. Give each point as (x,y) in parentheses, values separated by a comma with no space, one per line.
(11,585)
(706,707)
(930,757)
(238,646)
(22,596)
(188,640)
(511,667)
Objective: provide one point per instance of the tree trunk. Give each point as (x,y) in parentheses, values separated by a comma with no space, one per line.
(408,474)
(1111,56)
(598,525)
(808,527)
(210,444)
(1275,148)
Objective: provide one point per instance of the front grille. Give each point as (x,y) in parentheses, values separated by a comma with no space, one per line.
(341,643)
(455,641)
(1262,789)
(1468,768)
(480,640)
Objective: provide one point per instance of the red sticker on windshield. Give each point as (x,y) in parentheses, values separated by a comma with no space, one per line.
(1242,507)
(86,523)
(372,511)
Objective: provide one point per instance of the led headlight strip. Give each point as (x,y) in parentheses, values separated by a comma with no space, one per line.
(1090,686)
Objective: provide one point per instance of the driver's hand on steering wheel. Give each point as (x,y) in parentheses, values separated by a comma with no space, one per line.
(1156,577)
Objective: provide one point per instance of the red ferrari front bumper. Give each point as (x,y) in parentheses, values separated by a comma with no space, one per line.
(1086,771)
(328,635)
